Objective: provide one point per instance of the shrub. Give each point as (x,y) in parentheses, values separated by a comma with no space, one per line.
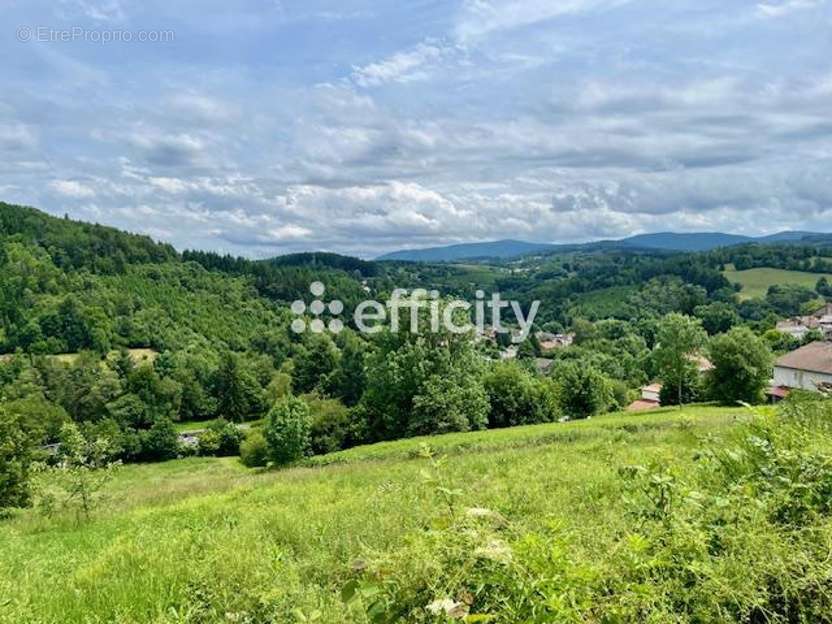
(742,367)
(517,397)
(621,395)
(85,466)
(208,443)
(287,430)
(445,404)
(16,447)
(254,452)
(221,439)
(330,425)
(160,442)
(582,390)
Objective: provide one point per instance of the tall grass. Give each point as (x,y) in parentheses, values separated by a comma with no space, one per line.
(664,517)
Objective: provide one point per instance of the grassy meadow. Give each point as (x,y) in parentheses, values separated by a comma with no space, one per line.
(756,282)
(352,535)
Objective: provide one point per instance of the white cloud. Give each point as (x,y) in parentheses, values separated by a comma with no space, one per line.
(99,10)
(289,232)
(785,7)
(479,18)
(16,136)
(405,66)
(72,188)
(202,108)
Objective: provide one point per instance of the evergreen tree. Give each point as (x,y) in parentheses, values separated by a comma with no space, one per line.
(238,395)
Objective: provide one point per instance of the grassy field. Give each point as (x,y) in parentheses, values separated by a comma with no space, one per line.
(206,540)
(755,282)
(139,356)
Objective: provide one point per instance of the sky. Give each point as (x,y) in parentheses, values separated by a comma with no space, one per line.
(263,127)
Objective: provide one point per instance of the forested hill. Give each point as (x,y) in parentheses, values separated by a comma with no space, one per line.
(79,245)
(657,241)
(69,286)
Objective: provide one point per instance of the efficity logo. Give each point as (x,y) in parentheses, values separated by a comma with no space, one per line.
(424,311)
(316,309)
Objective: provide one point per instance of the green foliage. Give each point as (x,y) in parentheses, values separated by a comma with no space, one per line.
(582,391)
(717,317)
(254,451)
(742,367)
(221,438)
(83,469)
(40,417)
(239,396)
(16,451)
(315,360)
(403,368)
(780,342)
(616,349)
(160,442)
(449,402)
(287,430)
(788,299)
(348,380)
(330,425)
(517,397)
(670,294)
(77,245)
(678,340)
(681,386)
(529,348)
(823,287)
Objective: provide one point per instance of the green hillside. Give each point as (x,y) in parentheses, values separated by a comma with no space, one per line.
(194,540)
(621,518)
(756,282)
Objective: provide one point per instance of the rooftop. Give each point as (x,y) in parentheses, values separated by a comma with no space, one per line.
(815,357)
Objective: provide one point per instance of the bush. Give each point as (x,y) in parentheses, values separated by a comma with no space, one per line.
(446,404)
(741,536)
(583,391)
(16,447)
(517,397)
(742,367)
(160,442)
(222,439)
(287,430)
(254,452)
(622,396)
(330,425)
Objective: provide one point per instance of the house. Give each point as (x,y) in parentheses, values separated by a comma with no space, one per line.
(806,368)
(649,398)
(651,392)
(799,326)
(793,327)
(550,342)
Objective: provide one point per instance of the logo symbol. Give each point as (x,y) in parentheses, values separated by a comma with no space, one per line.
(316,309)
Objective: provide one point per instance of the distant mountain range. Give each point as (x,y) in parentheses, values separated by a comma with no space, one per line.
(667,241)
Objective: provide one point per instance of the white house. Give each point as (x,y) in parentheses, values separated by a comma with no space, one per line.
(651,392)
(805,368)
